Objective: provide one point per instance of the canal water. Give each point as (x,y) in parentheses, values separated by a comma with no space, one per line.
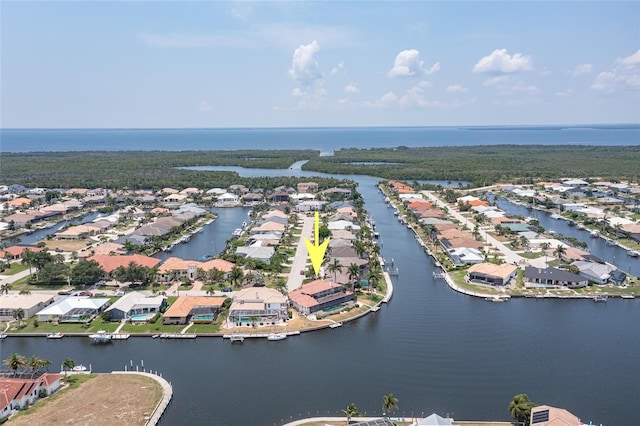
(434,349)
(41,234)
(597,246)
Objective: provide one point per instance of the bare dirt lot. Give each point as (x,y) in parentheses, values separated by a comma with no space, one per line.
(108,399)
(67,245)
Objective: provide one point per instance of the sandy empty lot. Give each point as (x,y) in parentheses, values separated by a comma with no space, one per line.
(109,399)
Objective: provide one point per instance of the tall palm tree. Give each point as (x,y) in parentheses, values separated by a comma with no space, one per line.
(15,362)
(520,408)
(18,314)
(354,273)
(389,404)
(559,251)
(28,258)
(335,267)
(351,411)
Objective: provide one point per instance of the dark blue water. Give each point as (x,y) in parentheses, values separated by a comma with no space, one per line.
(323,139)
(41,234)
(436,350)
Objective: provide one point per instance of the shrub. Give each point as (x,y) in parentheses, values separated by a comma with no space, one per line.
(42,393)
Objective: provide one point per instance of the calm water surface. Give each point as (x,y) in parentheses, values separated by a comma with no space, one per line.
(436,350)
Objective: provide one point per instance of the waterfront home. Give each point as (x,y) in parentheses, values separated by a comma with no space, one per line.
(197,309)
(489,273)
(599,273)
(175,268)
(343,234)
(545,415)
(465,256)
(252,197)
(310,205)
(17,393)
(29,303)
(228,198)
(136,305)
(307,187)
(262,304)
(433,420)
(15,252)
(18,203)
(111,263)
(343,224)
(256,252)
(319,295)
(269,226)
(337,192)
(554,277)
(73,309)
(174,198)
(575,183)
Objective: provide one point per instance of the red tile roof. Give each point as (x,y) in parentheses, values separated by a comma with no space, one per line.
(17,250)
(110,263)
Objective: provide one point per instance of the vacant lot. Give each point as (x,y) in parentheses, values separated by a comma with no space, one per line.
(67,245)
(108,399)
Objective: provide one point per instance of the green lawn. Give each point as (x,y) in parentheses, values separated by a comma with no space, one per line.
(532,254)
(14,268)
(158,327)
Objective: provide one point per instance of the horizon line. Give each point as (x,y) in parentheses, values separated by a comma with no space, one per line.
(462,126)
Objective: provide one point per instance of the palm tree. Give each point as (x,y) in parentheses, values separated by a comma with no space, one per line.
(351,411)
(18,314)
(67,365)
(335,267)
(354,273)
(4,288)
(28,258)
(389,404)
(559,251)
(236,275)
(520,408)
(15,362)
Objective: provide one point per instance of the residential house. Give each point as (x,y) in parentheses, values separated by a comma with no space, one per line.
(73,309)
(136,304)
(599,273)
(17,393)
(311,187)
(545,415)
(554,277)
(15,252)
(318,295)
(465,256)
(265,305)
(256,252)
(489,273)
(111,263)
(29,303)
(196,309)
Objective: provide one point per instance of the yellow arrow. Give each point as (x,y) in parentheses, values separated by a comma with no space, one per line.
(316,251)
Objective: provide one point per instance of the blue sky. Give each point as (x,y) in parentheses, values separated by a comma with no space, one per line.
(279,64)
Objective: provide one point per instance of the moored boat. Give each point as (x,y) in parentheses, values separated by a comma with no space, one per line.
(100,337)
(600,298)
(55,335)
(277,336)
(633,253)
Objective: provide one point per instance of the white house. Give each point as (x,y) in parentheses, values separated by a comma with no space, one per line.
(73,309)
(136,303)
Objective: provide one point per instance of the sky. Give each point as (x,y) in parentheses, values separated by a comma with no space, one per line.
(143,64)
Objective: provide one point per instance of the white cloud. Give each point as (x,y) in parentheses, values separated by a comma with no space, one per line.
(351,88)
(456,88)
(581,69)
(424,84)
(388,98)
(495,81)
(625,75)
(564,93)
(337,69)
(408,63)
(205,107)
(631,60)
(304,66)
(499,61)
(297,92)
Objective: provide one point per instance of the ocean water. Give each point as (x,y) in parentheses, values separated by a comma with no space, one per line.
(323,139)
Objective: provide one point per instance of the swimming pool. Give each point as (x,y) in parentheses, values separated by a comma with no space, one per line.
(207,317)
(142,317)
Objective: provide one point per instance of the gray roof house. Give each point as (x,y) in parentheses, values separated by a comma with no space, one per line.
(136,303)
(599,273)
(553,276)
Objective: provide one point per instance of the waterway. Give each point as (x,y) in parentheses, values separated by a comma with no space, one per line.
(435,349)
(597,246)
(41,234)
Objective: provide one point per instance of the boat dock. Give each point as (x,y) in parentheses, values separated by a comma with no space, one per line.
(177,336)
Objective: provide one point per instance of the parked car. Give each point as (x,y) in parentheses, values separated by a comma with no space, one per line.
(64,293)
(227,290)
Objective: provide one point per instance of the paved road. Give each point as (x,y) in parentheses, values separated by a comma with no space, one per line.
(300,259)
(509,255)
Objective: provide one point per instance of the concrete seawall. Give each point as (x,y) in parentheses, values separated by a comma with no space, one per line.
(167,394)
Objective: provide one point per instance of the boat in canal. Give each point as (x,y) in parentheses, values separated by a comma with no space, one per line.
(600,298)
(633,253)
(277,336)
(55,335)
(100,337)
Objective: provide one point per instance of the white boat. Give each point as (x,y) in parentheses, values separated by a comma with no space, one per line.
(628,296)
(594,234)
(375,309)
(277,336)
(336,325)
(556,216)
(237,232)
(236,338)
(79,367)
(633,253)
(496,299)
(100,337)
(600,298)
(56,335)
